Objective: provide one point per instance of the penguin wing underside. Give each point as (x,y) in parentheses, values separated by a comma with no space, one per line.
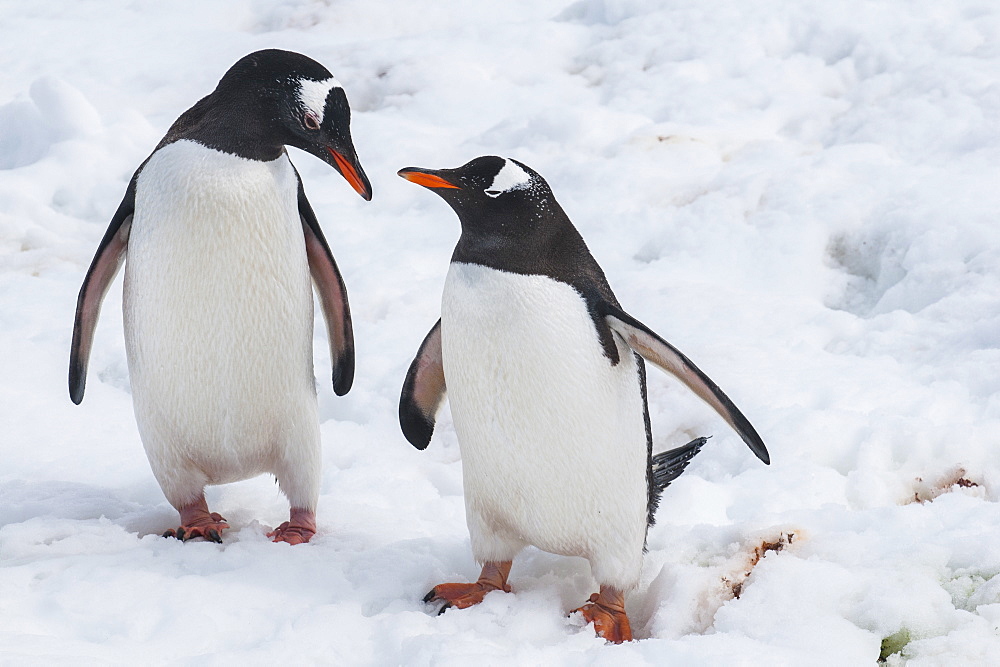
(658,351)
(423,391)
(103,269)
(332,297)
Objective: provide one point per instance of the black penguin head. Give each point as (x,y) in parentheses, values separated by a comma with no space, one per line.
(510,218)
(275,98)
(492,195)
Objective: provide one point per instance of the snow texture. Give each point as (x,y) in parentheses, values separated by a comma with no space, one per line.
(801,196)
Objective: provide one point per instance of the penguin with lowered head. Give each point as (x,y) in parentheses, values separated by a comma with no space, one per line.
(222,250)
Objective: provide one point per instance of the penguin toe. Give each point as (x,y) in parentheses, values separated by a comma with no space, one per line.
(210,533)
(461,596)
(609,622)
(291,534)
(299,529)
(197,521)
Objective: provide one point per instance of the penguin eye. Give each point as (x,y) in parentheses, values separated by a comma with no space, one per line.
(310,121)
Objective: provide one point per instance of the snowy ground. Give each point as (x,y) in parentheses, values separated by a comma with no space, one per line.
(802,196)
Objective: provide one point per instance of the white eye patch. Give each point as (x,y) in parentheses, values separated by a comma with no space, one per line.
(511,177)
(313,94)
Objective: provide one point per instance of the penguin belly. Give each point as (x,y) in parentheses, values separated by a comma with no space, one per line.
(552,435)
(218,316)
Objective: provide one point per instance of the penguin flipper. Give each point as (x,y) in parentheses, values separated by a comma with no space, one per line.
(103,269)
(658,351)
(423,391)
(332,297)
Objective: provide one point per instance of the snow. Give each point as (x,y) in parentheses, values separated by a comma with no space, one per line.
(801,196)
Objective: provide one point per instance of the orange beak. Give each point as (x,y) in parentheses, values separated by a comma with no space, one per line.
(426,180)
(351,174)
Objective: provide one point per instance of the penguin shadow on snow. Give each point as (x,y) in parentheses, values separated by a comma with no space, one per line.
(684,596)
(138,510)
(540,576)
(22,501)
(35,515)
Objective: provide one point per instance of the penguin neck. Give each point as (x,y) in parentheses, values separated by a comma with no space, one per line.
(229,125)
(506,243)
(555,249)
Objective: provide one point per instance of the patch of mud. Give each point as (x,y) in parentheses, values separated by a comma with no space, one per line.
(956,479)
(734,582)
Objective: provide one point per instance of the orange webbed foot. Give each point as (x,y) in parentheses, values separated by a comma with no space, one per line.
(198,522)
(606,610)
(299,529)
(462,596)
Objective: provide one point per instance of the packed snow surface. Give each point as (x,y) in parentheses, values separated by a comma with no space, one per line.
(801,196)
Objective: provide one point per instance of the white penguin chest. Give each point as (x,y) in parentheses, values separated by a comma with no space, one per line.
(526,375)
(229,219)
(218,297)
(216,249)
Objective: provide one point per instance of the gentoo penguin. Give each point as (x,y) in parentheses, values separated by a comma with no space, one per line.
(545,375)
(221,246)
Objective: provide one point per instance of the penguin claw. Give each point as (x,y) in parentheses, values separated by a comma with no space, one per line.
(209,530)
(461,596)
(433,596)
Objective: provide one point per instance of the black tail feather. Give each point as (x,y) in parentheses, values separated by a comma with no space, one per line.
(668,466)
(665,467)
